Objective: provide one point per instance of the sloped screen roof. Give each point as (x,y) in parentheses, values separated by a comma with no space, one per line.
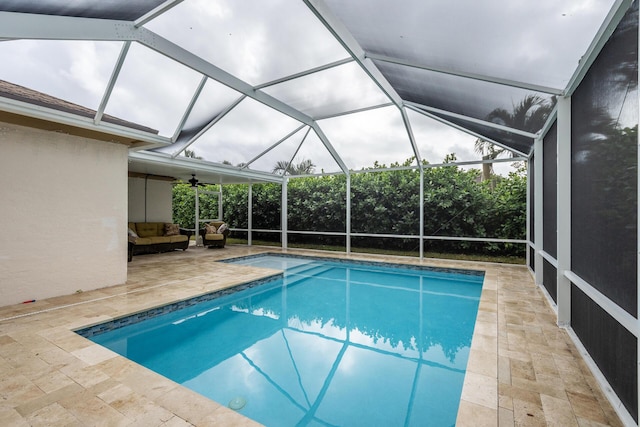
(343,84)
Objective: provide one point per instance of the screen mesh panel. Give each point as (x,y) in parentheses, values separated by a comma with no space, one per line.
(532,258)
(520,143)
(604,168)
(610,345)
(550,192)
(473,98)
(105,9)
(550,279)
(518,40)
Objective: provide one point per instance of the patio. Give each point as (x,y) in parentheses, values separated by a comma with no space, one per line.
(523,369)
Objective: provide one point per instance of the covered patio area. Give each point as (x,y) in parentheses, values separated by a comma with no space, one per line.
(523,369)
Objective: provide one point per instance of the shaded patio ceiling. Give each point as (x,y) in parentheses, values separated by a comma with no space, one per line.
(249,83)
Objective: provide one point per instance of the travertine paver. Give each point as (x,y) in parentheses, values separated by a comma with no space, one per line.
(523,370)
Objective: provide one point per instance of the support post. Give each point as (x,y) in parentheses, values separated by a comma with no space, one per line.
(283,211)
(220,214)
(564,211)
(348,215)
(250,215)
(638,262)
(538,172)
(197,224)
(421,215)
(529,237)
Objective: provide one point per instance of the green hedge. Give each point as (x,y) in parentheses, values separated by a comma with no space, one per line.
(456,203)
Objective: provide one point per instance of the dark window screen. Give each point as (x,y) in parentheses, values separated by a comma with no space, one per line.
(550,280)
(532,258)
(611,346)
(604,168)
(549,192)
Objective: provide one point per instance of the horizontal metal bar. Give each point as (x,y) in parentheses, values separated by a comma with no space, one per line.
(305,73)
(319,233)
(427,166)
(551,260)
(476,239)
(355,111)
(391,236)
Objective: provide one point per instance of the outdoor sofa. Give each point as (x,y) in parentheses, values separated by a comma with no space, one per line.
(155,237)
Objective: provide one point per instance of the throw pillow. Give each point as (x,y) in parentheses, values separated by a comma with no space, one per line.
(132,233)
(223,228)
(210,229)
(171,229)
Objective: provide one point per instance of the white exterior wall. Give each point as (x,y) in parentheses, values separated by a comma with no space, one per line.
(156,206)
(63,207)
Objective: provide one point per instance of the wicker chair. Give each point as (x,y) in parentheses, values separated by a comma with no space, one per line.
(214,240)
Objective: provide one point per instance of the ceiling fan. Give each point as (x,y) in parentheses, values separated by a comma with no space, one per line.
(194,181)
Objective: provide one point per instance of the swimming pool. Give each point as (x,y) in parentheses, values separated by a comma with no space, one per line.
(326,343)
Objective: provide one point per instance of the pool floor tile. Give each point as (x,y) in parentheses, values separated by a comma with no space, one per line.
(523,370)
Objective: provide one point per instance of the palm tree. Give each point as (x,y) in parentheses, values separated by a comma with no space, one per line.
(303,168)
(529,115)
(489,151)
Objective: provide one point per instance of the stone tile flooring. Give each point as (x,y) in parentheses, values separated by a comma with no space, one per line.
(523,370)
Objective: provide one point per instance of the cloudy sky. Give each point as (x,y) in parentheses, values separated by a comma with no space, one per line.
(261,41)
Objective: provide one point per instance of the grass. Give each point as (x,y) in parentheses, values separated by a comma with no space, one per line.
(441,255)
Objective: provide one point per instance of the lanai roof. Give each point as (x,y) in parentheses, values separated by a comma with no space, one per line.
(341,83)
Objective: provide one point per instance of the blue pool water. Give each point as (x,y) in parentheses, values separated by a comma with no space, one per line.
(326,344)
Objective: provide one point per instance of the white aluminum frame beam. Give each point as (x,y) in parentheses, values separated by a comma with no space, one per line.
(189,108)
(295,153)
(289,135)
(330,148)
(112,82)
(197,166)
(208,126)
(305,73)
(538,210)
(284,213)
(550,121)
(564,212)
(412,139)
(356,111)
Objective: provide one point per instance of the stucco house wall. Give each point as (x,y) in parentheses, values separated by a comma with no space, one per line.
(63,207)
